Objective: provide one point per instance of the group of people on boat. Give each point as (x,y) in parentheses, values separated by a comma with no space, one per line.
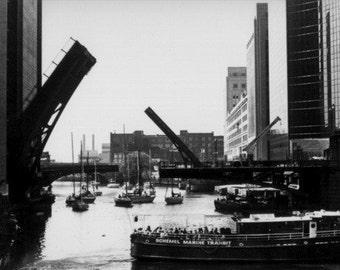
(192,234)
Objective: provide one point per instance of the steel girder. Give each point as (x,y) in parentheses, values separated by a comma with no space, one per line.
(41,115)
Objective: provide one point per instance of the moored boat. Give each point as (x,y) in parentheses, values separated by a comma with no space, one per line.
(88,197)
(259,200)
(141,196)
(80,206)
(71,199)
(176,198)
(141,193)
(124,201)
(313,236)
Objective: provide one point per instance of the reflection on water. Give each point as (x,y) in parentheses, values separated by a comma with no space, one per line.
(100,238)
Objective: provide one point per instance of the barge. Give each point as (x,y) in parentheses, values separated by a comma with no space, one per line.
(313,236)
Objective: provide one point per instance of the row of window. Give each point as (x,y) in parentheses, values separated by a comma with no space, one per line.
(237,74)
(243,85)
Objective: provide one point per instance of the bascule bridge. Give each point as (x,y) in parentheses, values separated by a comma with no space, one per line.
(31,101)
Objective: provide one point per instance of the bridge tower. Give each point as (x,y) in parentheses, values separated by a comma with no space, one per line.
(32,107)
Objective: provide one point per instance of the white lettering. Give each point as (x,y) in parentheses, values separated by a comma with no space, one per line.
(169,241)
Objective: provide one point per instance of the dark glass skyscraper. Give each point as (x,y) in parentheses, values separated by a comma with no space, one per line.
(305,76)
(310,80)
(330,25)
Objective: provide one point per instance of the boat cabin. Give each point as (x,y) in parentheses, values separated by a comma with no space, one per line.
(326,220)
(307,224)
(268,223)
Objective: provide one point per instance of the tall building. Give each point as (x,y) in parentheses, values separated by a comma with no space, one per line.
(303,54)
(236,86)
(330,25)
(258,82)
(3,95)
(236,90)
(236,130)
(20,67)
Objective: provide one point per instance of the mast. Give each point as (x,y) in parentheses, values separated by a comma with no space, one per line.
(124,153)
(138,169)
(82,167)
(87,176)
(95,173)
(74,184)
(150,163)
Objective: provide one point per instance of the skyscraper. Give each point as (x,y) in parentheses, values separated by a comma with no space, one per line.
(236,91)
(258,81)
(20,67)
(236,86)
(303,54)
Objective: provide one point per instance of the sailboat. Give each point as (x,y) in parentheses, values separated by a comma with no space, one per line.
(175,198)
(141,195)
(95,184)
(87,196)
(71,199)
(123,199)
(80,205)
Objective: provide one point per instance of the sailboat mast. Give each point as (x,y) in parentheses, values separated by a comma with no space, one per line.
(82,165)
(138,169)
(124,153)
(74,184)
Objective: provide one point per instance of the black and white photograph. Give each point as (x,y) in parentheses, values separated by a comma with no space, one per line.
(169,134)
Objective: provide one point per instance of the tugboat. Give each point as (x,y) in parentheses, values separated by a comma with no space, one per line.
(313,236)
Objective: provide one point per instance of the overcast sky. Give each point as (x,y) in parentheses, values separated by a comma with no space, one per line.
(170,55)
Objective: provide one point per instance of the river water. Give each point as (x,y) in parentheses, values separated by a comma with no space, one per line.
(100,238)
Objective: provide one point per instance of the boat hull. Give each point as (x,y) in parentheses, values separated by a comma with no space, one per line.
(173,200)
(89,199)
(142,199)
(123,202)
(80,206)
(325,249)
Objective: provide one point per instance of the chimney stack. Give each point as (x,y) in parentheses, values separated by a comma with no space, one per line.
(84,145)
(93,142)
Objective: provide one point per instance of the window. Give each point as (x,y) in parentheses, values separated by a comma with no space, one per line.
(235,74)
(235,85)
(243,85)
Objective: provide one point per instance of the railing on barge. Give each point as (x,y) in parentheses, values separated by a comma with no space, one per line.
(239,237)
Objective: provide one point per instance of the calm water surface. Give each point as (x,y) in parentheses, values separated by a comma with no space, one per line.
(100,237)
